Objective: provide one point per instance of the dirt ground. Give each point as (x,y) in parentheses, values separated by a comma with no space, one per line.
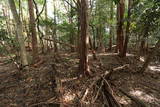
(38,86)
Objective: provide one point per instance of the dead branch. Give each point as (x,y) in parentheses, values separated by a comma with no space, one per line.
(105,89)
(98,92)
(116,70)
(108,92)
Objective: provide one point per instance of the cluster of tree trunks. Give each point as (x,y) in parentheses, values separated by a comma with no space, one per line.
(122,41)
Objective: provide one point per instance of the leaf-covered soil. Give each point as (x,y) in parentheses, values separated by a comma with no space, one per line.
(56,81)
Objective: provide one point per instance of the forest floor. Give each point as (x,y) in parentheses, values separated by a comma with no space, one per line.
(38,86)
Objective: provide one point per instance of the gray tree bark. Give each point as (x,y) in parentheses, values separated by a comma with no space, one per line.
(19,33)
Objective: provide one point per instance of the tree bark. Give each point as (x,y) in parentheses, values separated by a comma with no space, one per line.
(19,31)
(84,67)
(127,30)
(55,30)
(120,17)
(111,28)
(33,30)
(71,22)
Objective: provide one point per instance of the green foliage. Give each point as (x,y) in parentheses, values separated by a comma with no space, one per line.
(3,35)
(145,16)
(116,1)
(3,31)
(67,29)
(47,22)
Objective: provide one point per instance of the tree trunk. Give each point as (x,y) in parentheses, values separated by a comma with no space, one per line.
(84,67)
(149,57)
(55,30)
(72,30)
(19,33)
(46,27)
(120,17)
(33,30)
(111,28)
(142,46)
(127,30)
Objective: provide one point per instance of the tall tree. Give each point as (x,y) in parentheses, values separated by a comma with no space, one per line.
(19,33)
(84,67)
(127,30)
(120,22)
(55,28)
(71,23)
(33,30)
(111,26)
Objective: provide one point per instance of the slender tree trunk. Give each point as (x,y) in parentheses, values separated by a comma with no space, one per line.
(142,45)
(127,30)
(72,30)
(94,38)
(149,57)
(111,28)
(46,27)
(120,17)
(55,30)
(79,34)
(33,30)
(19,33)
(84,67)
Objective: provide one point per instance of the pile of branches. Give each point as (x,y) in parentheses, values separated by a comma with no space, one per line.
(103,93)
(101,90)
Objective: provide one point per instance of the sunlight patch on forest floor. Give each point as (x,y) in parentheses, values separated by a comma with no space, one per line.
(124,101)
(154,68)
(143,96)
(68,97)
(142,59)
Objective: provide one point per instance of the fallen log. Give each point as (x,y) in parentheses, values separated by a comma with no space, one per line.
(108,92)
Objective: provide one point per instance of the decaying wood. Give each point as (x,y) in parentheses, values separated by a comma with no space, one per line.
(108,93)
(121,68)
(105,89)
(97,94)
